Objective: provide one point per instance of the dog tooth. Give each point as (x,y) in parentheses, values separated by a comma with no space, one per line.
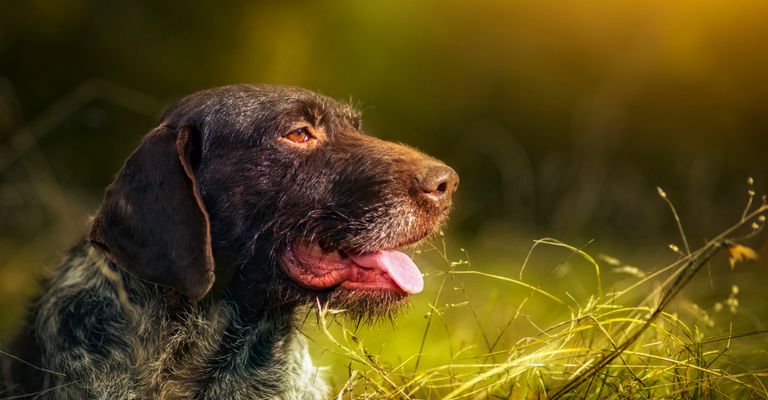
(315,250)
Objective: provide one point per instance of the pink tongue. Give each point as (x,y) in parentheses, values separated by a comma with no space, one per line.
(399,266)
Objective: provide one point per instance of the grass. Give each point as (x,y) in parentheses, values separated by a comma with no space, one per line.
(563,323)
(533,337)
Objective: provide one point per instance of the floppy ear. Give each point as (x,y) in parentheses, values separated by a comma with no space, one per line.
(152,222)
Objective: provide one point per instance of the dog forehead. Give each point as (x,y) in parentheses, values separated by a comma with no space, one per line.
(252,109)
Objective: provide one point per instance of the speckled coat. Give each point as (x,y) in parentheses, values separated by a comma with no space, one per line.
(97,333)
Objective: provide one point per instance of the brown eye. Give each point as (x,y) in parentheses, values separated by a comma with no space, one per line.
(301,135)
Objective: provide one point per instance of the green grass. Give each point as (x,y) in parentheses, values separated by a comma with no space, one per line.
(561,321)
(561,324)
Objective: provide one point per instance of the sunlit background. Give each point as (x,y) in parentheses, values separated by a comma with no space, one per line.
(562,117)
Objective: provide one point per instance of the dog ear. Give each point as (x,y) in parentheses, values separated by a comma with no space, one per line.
(152,222)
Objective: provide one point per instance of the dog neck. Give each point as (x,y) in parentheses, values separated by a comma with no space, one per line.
(125,338)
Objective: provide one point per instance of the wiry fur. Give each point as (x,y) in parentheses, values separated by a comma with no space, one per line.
(130,313)
(97,347)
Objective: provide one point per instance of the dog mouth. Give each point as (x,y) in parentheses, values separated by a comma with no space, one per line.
(312,267)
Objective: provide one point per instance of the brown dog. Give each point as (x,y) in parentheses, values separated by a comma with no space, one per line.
(271,191)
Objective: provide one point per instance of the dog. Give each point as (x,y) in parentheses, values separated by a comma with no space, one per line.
(244,206)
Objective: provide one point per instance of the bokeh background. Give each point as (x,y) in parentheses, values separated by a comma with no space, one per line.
(561,116)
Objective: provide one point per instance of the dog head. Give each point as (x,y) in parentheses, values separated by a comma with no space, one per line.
(283,179)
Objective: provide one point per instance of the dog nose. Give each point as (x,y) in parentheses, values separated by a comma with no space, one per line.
(437,183)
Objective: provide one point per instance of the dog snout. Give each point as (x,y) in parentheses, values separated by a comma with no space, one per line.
(437,182)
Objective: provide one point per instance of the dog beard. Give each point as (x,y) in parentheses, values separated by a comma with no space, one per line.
(363,306)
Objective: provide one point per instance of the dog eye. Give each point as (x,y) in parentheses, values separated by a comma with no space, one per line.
(301,135)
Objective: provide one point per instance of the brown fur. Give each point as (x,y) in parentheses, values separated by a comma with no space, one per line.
(212,198)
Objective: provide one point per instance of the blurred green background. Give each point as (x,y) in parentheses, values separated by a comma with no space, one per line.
(561,116)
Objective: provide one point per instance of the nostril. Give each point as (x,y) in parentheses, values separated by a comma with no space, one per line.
(437,182)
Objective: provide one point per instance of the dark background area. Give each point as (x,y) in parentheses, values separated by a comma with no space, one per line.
(561,117)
